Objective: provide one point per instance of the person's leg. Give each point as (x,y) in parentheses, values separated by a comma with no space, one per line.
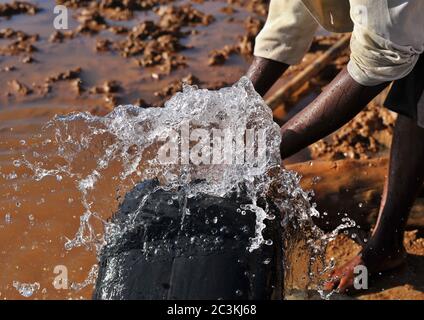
(385,248)
(342,100)
(405,178)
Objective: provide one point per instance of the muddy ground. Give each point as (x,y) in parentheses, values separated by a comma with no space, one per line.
(139,52)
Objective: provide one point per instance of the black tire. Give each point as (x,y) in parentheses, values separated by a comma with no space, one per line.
(168,254)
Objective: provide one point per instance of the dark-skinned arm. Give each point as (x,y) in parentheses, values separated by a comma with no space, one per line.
(264,73)
(342,100)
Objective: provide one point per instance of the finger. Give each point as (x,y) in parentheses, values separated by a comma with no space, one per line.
(345,283)
(329,285)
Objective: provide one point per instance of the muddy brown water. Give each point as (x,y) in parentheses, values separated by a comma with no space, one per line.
(36,218)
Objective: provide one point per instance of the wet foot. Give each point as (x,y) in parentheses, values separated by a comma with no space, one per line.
(373,258)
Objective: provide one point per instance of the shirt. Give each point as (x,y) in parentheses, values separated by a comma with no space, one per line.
(387,35)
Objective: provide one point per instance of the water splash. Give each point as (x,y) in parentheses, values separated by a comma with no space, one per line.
(223,140)
(90,280)
(26,289)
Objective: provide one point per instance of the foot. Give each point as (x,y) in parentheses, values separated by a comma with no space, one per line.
(374,258)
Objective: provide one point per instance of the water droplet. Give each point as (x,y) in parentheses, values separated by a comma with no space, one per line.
(271,217)
(26,289)
(8,218)
(269,242)
(31,219)
(245,229)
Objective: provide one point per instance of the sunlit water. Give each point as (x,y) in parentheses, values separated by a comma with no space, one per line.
(223,140)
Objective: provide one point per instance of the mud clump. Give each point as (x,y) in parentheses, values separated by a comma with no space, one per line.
(20,88)
(177,86)
(367,134)
(140,102)
(247,42)
(76,85)
(110,86)
(161,53)
(259,7)
(158,43)
(28,59)
(60,36)
(103,45)
(219,57)
(109,90)
(65,75)
(244,47)
(91,22)
(8,68)
(230,10)
(109,9)
(104,5)
(71,75)
(184,15)
(17,7)
(151,43)
(22,43)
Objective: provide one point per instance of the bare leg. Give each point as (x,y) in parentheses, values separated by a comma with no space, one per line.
(405,177)
(264,73)
(342,100)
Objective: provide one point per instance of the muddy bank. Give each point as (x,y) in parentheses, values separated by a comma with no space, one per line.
(404,283)
(353,188)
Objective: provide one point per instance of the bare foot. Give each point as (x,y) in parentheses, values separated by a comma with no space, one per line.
(342,278)
(375,260)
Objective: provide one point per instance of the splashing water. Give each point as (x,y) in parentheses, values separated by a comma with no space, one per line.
(91,279)
(223,140)
(26,289)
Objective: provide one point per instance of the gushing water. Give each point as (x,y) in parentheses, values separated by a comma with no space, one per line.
(223,140)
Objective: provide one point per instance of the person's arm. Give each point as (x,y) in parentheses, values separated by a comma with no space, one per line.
(377,58)
(283,41)
(342,100)
(264,73)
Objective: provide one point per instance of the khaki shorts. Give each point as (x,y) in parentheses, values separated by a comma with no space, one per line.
(406,96)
